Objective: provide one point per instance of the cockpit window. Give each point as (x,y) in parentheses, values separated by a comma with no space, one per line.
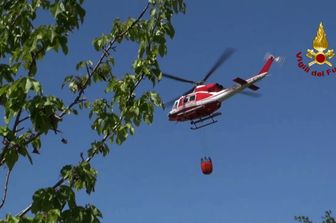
(192,98)
(175,104)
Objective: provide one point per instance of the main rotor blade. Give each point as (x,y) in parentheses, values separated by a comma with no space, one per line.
(171,102)
(178,78)
(225,55)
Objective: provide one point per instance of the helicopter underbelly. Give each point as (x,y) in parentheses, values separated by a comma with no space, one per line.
(194,112)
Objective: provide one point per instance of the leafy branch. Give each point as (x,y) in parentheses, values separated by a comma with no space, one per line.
(327,218)
(24,44)
(105,54)
(113,118)
(77,100)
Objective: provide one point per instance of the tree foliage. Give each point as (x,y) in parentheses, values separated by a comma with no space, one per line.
(29,113)
(327,218)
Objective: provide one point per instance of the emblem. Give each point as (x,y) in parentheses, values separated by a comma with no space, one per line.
(320,44)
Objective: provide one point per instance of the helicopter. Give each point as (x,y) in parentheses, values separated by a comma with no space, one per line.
(200,104)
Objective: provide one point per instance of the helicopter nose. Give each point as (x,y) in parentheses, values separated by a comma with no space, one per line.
(171,117)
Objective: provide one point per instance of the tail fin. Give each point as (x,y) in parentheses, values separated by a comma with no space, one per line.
(268,64)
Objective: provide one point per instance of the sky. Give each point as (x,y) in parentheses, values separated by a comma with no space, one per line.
(273,155)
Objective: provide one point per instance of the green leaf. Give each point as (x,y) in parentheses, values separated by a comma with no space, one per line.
(168,27)
(52,201)
(68,194)
(7,133)
(53,216)
(11,157)
(155,98)
(36,143)
(66,171)
(43,111)
(57,9)
(98,147)
(81,176)
(12,219)
(64,46)
(162,50)
(34,85)
(82,64)
(87,214)
(100,42)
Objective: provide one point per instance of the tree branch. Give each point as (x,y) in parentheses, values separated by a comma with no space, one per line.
(63,180)
(89,158)
(106,49)
(5,189)
(78,99)
(14,130)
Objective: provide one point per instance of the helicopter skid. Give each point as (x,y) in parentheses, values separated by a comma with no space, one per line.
(201,120)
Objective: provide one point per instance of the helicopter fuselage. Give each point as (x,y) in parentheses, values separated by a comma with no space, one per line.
(206,99)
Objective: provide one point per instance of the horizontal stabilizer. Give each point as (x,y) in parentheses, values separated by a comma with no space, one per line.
(240,81)
(243,82)
(253,87)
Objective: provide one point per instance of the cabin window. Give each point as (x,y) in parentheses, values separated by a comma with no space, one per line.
(185,100)
(192,98)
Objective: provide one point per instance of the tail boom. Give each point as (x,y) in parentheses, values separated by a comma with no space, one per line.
(248,83)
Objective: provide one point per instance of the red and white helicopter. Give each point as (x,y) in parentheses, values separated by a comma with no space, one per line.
(200,103)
